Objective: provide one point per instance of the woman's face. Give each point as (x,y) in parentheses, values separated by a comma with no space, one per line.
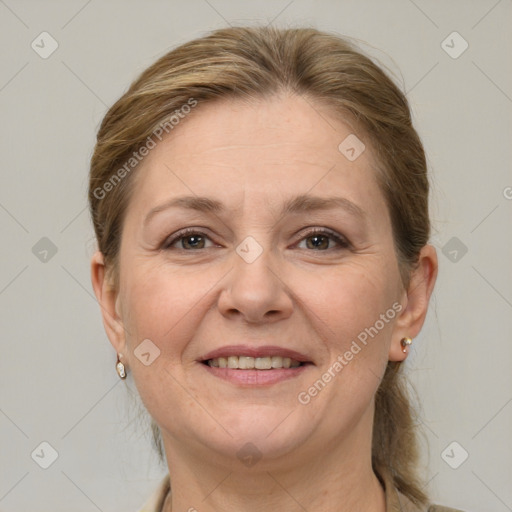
(287,258)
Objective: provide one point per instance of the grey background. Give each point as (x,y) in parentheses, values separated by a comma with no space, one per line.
(57,377)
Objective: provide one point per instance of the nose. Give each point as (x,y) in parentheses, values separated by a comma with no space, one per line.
(255,291)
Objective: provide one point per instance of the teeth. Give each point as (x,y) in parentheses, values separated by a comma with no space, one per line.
(277,362)
(251,363)
(263,363)
(246,363)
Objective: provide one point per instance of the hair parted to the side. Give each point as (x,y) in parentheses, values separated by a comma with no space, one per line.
(258,62)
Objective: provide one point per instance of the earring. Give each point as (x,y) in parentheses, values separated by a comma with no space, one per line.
(405,342)
(121,370)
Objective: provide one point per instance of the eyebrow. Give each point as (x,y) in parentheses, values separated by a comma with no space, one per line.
(300,204)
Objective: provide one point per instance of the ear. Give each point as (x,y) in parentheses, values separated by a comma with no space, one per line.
(415,302)
(107,297)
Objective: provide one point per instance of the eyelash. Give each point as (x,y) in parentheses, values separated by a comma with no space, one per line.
(342,242)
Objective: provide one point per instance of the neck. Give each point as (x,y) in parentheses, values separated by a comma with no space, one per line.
(333,477)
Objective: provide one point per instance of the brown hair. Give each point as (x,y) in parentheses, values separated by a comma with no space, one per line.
(248,63)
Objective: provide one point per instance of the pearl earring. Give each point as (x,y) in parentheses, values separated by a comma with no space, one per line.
(121,370)
(405,342)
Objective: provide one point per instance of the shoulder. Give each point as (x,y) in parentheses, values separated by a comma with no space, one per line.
(405,505)
(398,502)
(156,500)
(440,508)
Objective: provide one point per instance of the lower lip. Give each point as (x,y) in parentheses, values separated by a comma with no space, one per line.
(252,378)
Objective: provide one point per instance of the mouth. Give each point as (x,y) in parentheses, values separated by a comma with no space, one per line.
(253,363)
(244,357)
(252,366)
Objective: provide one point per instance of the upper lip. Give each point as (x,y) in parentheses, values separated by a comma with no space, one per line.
(252,351)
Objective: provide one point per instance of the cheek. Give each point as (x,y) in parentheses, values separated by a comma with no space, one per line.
(353,299)
(151,292)
(165,304)
(354,311)
(161,306)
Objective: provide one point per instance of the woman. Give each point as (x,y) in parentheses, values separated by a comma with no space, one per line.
(260,201)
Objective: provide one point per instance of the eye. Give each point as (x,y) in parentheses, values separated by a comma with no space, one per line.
(318,239)
(323,240)
(188,239)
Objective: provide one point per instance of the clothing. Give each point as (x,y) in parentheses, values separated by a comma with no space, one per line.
(156,501)
(395,501)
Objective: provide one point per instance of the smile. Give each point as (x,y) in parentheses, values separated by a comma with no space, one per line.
(250,366)
(253,363)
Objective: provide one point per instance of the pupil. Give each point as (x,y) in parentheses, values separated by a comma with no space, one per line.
(193,241)
(318,241)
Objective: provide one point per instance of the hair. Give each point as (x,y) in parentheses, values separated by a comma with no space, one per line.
(254,63)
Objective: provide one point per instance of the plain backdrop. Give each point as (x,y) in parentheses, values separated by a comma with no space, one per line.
(57,379)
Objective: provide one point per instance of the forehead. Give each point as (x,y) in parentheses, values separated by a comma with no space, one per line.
(274,147)
(278,126)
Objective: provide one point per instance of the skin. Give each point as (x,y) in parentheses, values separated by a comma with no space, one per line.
(312,298)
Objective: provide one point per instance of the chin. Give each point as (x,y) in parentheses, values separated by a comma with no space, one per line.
(260,432)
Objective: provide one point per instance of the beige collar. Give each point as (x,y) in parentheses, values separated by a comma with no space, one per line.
(395,501)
